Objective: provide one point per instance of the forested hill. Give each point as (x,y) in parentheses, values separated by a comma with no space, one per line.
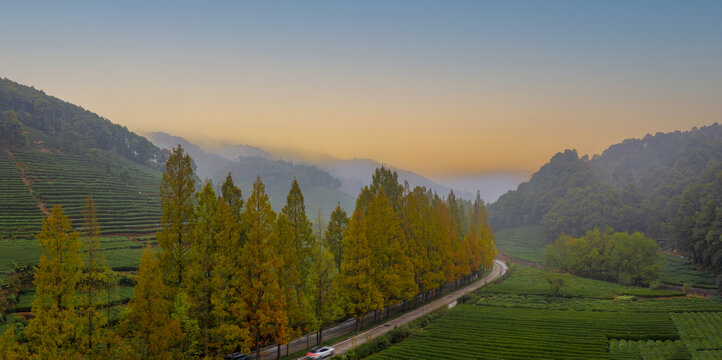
(668,185)
(30,117)
(56,153)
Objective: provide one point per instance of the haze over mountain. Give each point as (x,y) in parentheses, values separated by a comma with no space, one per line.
(212,156)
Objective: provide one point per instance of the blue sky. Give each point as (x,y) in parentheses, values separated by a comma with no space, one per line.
(443,80)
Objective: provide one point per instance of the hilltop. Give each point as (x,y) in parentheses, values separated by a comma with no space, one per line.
(667,185)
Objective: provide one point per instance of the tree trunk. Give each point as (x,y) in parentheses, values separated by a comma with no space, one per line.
(278,351)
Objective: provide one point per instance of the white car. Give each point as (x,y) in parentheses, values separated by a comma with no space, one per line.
(320,352)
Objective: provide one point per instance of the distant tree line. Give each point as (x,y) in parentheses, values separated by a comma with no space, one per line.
(232,275)
(631,259)
(66,127)
(668,186)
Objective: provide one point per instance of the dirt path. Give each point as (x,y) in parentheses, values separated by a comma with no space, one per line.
(26,181)
(450,299)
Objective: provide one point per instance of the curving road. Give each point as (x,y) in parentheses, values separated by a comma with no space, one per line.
(347,326)
(448,300)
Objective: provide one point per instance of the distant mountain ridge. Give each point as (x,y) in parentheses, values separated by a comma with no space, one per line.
(321,190)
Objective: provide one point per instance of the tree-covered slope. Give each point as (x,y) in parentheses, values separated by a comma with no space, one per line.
(668,185)
(56,153)
(30,117)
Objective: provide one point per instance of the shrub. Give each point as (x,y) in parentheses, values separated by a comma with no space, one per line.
(655,284)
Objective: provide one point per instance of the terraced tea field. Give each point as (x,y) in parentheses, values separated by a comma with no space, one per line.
(501,324)
(67,180)
(131,208)
(20,216)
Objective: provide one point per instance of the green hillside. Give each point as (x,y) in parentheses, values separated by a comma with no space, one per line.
(668,186)
(56,153)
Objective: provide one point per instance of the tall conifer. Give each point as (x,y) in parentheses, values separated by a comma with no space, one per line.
(54,331)
(264,314)
(176,191)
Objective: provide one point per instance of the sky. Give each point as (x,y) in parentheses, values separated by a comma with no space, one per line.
(442,88)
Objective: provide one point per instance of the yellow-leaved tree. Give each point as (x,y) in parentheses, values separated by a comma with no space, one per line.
(263,312)
(55,330)
(357,280)
(148,329)
(390,252)
(96,336)
(177,190)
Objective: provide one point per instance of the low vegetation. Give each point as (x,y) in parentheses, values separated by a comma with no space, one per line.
(526,242)
(515,319)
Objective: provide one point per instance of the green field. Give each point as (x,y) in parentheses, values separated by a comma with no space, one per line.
(526,243)
(529,243)
(530,281)
(120,253)
(514,319)
(677,271)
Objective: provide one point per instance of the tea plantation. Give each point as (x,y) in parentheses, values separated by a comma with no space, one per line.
(529,243)
(31,179)
(514,319)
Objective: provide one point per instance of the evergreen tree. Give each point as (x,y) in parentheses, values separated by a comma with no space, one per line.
(390,250)
(233,196)
(263,313)
(55,330)
(93,282)
(357,284)
(326,307)
(388,180)
(10,348)
(300,258)
(227,302)
(289,278)
(148,328)
(203,253)
(176,191)
(419,229)
(334,234)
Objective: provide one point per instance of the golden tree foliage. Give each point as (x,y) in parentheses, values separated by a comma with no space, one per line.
(390,252)
(94,280)
(357,279)
(177,193)
(200,280)
(10,349)
(227,302)
(149,330)
(55,330)
(263,301)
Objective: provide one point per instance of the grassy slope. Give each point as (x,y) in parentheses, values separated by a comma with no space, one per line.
(505,321)
(526,243)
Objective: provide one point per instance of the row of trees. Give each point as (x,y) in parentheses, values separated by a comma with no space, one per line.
(232,275)
(607,255)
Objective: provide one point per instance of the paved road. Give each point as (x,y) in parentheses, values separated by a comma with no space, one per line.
(448,300)
(269,352)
